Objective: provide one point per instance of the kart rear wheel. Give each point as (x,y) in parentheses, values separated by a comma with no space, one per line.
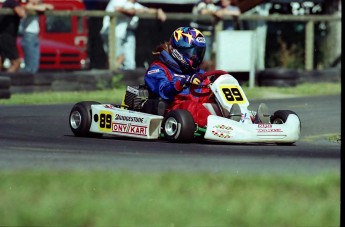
(178,126)
(80,119)
(280,116)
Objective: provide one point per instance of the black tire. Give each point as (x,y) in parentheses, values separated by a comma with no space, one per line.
(178,126)
(22,79)
(5,82)
(5,94)
(278,77)
(279,73)
(277,83)
(80,119)
(280,116)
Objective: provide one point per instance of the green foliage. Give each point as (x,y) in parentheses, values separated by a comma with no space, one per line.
(335,138)
(287,56)
(103,83)
(87,198)
(116,81)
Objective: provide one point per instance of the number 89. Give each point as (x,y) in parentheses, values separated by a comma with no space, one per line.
(232,94)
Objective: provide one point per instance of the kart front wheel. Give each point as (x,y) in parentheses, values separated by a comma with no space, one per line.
(178,126)
(80,119)
(280,116)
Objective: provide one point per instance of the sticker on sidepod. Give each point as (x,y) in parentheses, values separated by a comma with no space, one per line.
(130,129)
(105,120)
(244,117)
(121,117)
(222,131)
(109,106)
(264,125)
(269,130)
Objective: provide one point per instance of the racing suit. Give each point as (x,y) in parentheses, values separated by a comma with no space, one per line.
(165,79)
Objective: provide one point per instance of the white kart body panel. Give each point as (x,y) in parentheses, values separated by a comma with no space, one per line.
(227,85)
(226,130)
(110,120)
(228,92)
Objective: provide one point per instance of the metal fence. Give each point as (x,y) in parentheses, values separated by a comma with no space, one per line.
(310,21)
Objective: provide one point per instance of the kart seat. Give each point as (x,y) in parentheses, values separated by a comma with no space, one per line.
(139,98)
(154,106)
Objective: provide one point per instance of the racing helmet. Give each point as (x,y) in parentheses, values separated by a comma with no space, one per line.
(187,47)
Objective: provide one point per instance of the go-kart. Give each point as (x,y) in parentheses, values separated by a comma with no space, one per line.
(142,116)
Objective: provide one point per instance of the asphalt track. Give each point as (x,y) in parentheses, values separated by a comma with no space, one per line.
(39,137)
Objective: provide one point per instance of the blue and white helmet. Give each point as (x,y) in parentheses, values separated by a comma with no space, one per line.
(188,47)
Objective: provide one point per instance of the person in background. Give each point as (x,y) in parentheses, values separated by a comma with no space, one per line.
(96,53)
(8,34)
(260,27)
(31,29)
(207,7)
(125,29)
(113,6)
(230,8)
(176,69)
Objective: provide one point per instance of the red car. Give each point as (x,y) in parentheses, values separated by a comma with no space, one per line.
(63,39)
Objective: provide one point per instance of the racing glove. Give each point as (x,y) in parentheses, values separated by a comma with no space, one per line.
(195,79)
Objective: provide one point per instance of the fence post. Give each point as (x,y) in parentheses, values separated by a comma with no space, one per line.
(218,28)
(309,45)
(112,44)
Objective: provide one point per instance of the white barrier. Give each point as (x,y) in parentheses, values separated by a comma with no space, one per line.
(236,52)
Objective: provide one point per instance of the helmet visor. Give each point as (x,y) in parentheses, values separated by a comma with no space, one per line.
(194,54)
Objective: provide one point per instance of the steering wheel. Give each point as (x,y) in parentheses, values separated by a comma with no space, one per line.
(212,76)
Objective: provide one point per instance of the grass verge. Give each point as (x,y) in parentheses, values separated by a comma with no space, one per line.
(116,95)
(75,198)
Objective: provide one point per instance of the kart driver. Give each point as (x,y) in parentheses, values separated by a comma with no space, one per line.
(176,69)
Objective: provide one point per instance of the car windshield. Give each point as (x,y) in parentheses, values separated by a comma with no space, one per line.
(58,24)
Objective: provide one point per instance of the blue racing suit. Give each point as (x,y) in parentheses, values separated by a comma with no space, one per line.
(165,79)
